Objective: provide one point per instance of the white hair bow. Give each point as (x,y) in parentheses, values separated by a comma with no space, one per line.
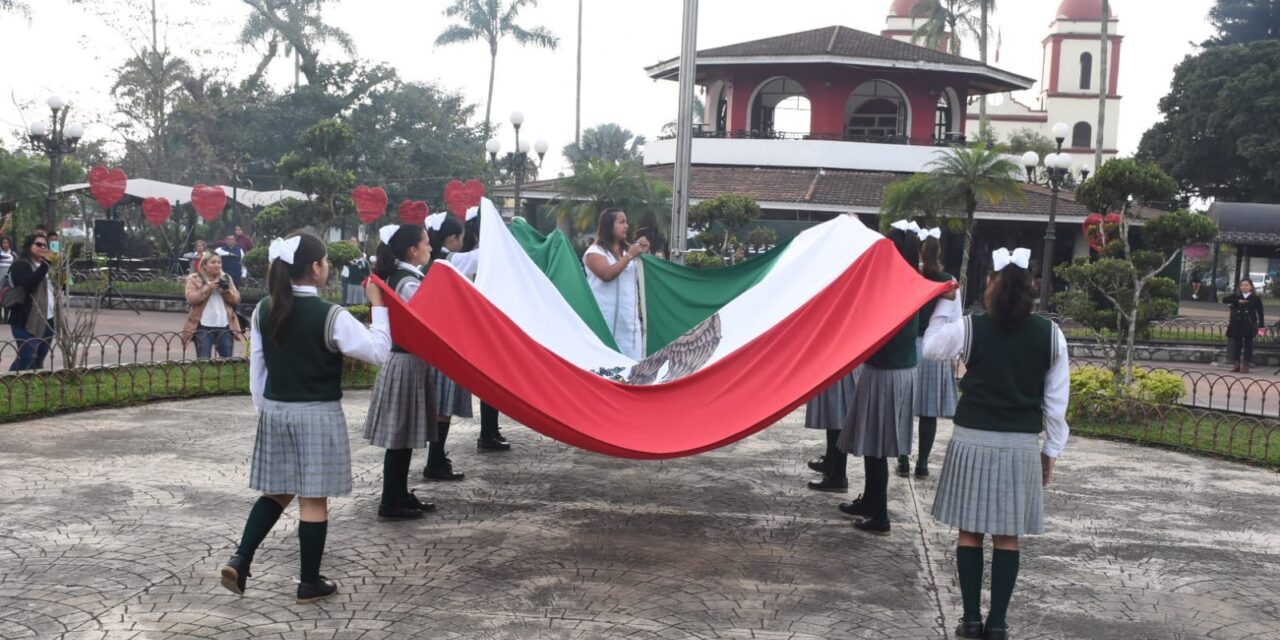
(284,249)
(900,225)
(1003,258)
(935,233)
(385,233)
(435,221)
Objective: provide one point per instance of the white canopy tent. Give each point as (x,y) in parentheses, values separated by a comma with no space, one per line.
(177,193)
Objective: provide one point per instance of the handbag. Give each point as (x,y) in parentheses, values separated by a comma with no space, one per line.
(11,297)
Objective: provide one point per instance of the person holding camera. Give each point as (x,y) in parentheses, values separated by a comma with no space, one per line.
(31,317)
(212,321)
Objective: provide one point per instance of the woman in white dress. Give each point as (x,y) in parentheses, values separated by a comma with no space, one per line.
(615,280)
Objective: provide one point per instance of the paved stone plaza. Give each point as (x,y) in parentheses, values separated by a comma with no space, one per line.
(115,523)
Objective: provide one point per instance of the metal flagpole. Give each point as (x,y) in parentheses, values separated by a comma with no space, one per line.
(684,134)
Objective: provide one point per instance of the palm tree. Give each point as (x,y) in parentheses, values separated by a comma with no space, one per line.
(917,196)
(491,21)
(944,21)
(595,185)
(607,141)
(966,176)
(14,6)
(298,25)
(146,87)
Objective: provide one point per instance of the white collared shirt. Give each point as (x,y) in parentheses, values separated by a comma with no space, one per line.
(352,339)
(410,286)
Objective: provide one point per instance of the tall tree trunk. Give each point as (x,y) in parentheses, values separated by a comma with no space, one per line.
(488,104)
(577,118)
(1104,87)
(968,247)
(982,52)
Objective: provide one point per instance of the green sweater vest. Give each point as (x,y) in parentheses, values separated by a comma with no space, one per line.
(302,365)
(1003,385)
(398,277)
(900,351)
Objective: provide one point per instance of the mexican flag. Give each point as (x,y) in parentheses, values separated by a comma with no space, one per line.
(728,352)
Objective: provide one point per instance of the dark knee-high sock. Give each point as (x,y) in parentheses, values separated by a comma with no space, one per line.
(435,451)
(488,421)
(1004,574)
(262,517)
(395,474)
(928,432)
(837,461)
(877,485)
(969,570)
(311,537)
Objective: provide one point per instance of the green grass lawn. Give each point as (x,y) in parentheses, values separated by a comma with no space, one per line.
(1241,438)
(28,395)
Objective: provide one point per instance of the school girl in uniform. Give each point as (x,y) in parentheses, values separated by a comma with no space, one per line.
(935,381)
(451,399)
(295,375)
(878,426)
(1017,383)
(402,412)
(828,411)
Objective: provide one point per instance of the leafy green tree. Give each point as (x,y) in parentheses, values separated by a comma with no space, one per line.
(964,177)
(720,220)
(297,24)
(320,168)
(917,196)
(1127,277)
(597,185)
(490,21)
(610,142)
(1244,21)
(1219,137)
(944,23)
(145,90)
(14,6)
(1024,140)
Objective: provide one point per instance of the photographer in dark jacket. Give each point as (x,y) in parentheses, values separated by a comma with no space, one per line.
(32,320)
(1246,322)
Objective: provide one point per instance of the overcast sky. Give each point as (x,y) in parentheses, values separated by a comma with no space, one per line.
(67,50)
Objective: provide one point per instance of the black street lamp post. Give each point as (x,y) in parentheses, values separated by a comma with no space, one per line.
(57,140)
(519,157)
(1057,166)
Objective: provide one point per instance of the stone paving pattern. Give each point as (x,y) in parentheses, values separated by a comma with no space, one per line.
(115,524)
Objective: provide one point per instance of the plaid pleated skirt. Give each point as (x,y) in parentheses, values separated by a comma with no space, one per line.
(402,413)
(828,409)
(301,449)
(879,424)
(935,386)
(991,483)
(451,399)
(355,294)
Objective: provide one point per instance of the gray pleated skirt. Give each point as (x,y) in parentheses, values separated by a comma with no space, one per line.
(402,413)
(828,409)
(301,449)
(935,386)
(879,424)
(451,399)
(355,294)
(991,483)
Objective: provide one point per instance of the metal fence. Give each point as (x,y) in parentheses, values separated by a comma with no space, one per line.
(112,350)
(1188,330)
(1254,439)
(1220,391)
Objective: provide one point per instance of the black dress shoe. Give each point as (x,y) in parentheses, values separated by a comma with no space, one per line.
(235,574)
(309,592)
(969,630)
(443,473)
(827,484)
(819,464)
(904,466)
(398,510)
(492,444)
(922,470)
(857,508)
(875,526)
(996,634)
(413,501)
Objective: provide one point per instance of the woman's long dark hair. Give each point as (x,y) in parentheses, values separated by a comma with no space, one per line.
(471,239)
(931,258)
(604,230)
(1009,296)
(405,238)
(449,227)
(281,276)
(908,245)
(27,242)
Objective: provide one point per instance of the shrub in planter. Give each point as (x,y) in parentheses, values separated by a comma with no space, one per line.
(1160,387)
(361,313)
(342,254)
(256,262)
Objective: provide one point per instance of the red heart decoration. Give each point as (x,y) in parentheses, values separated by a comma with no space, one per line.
(107,185)
(371,203)
(156,210)
(208,201)
(414,212)
(459,196)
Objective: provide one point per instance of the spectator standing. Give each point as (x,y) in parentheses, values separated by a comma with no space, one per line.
(232,258)
(1246,322)
(243,240)
(6,257)
(32,321)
